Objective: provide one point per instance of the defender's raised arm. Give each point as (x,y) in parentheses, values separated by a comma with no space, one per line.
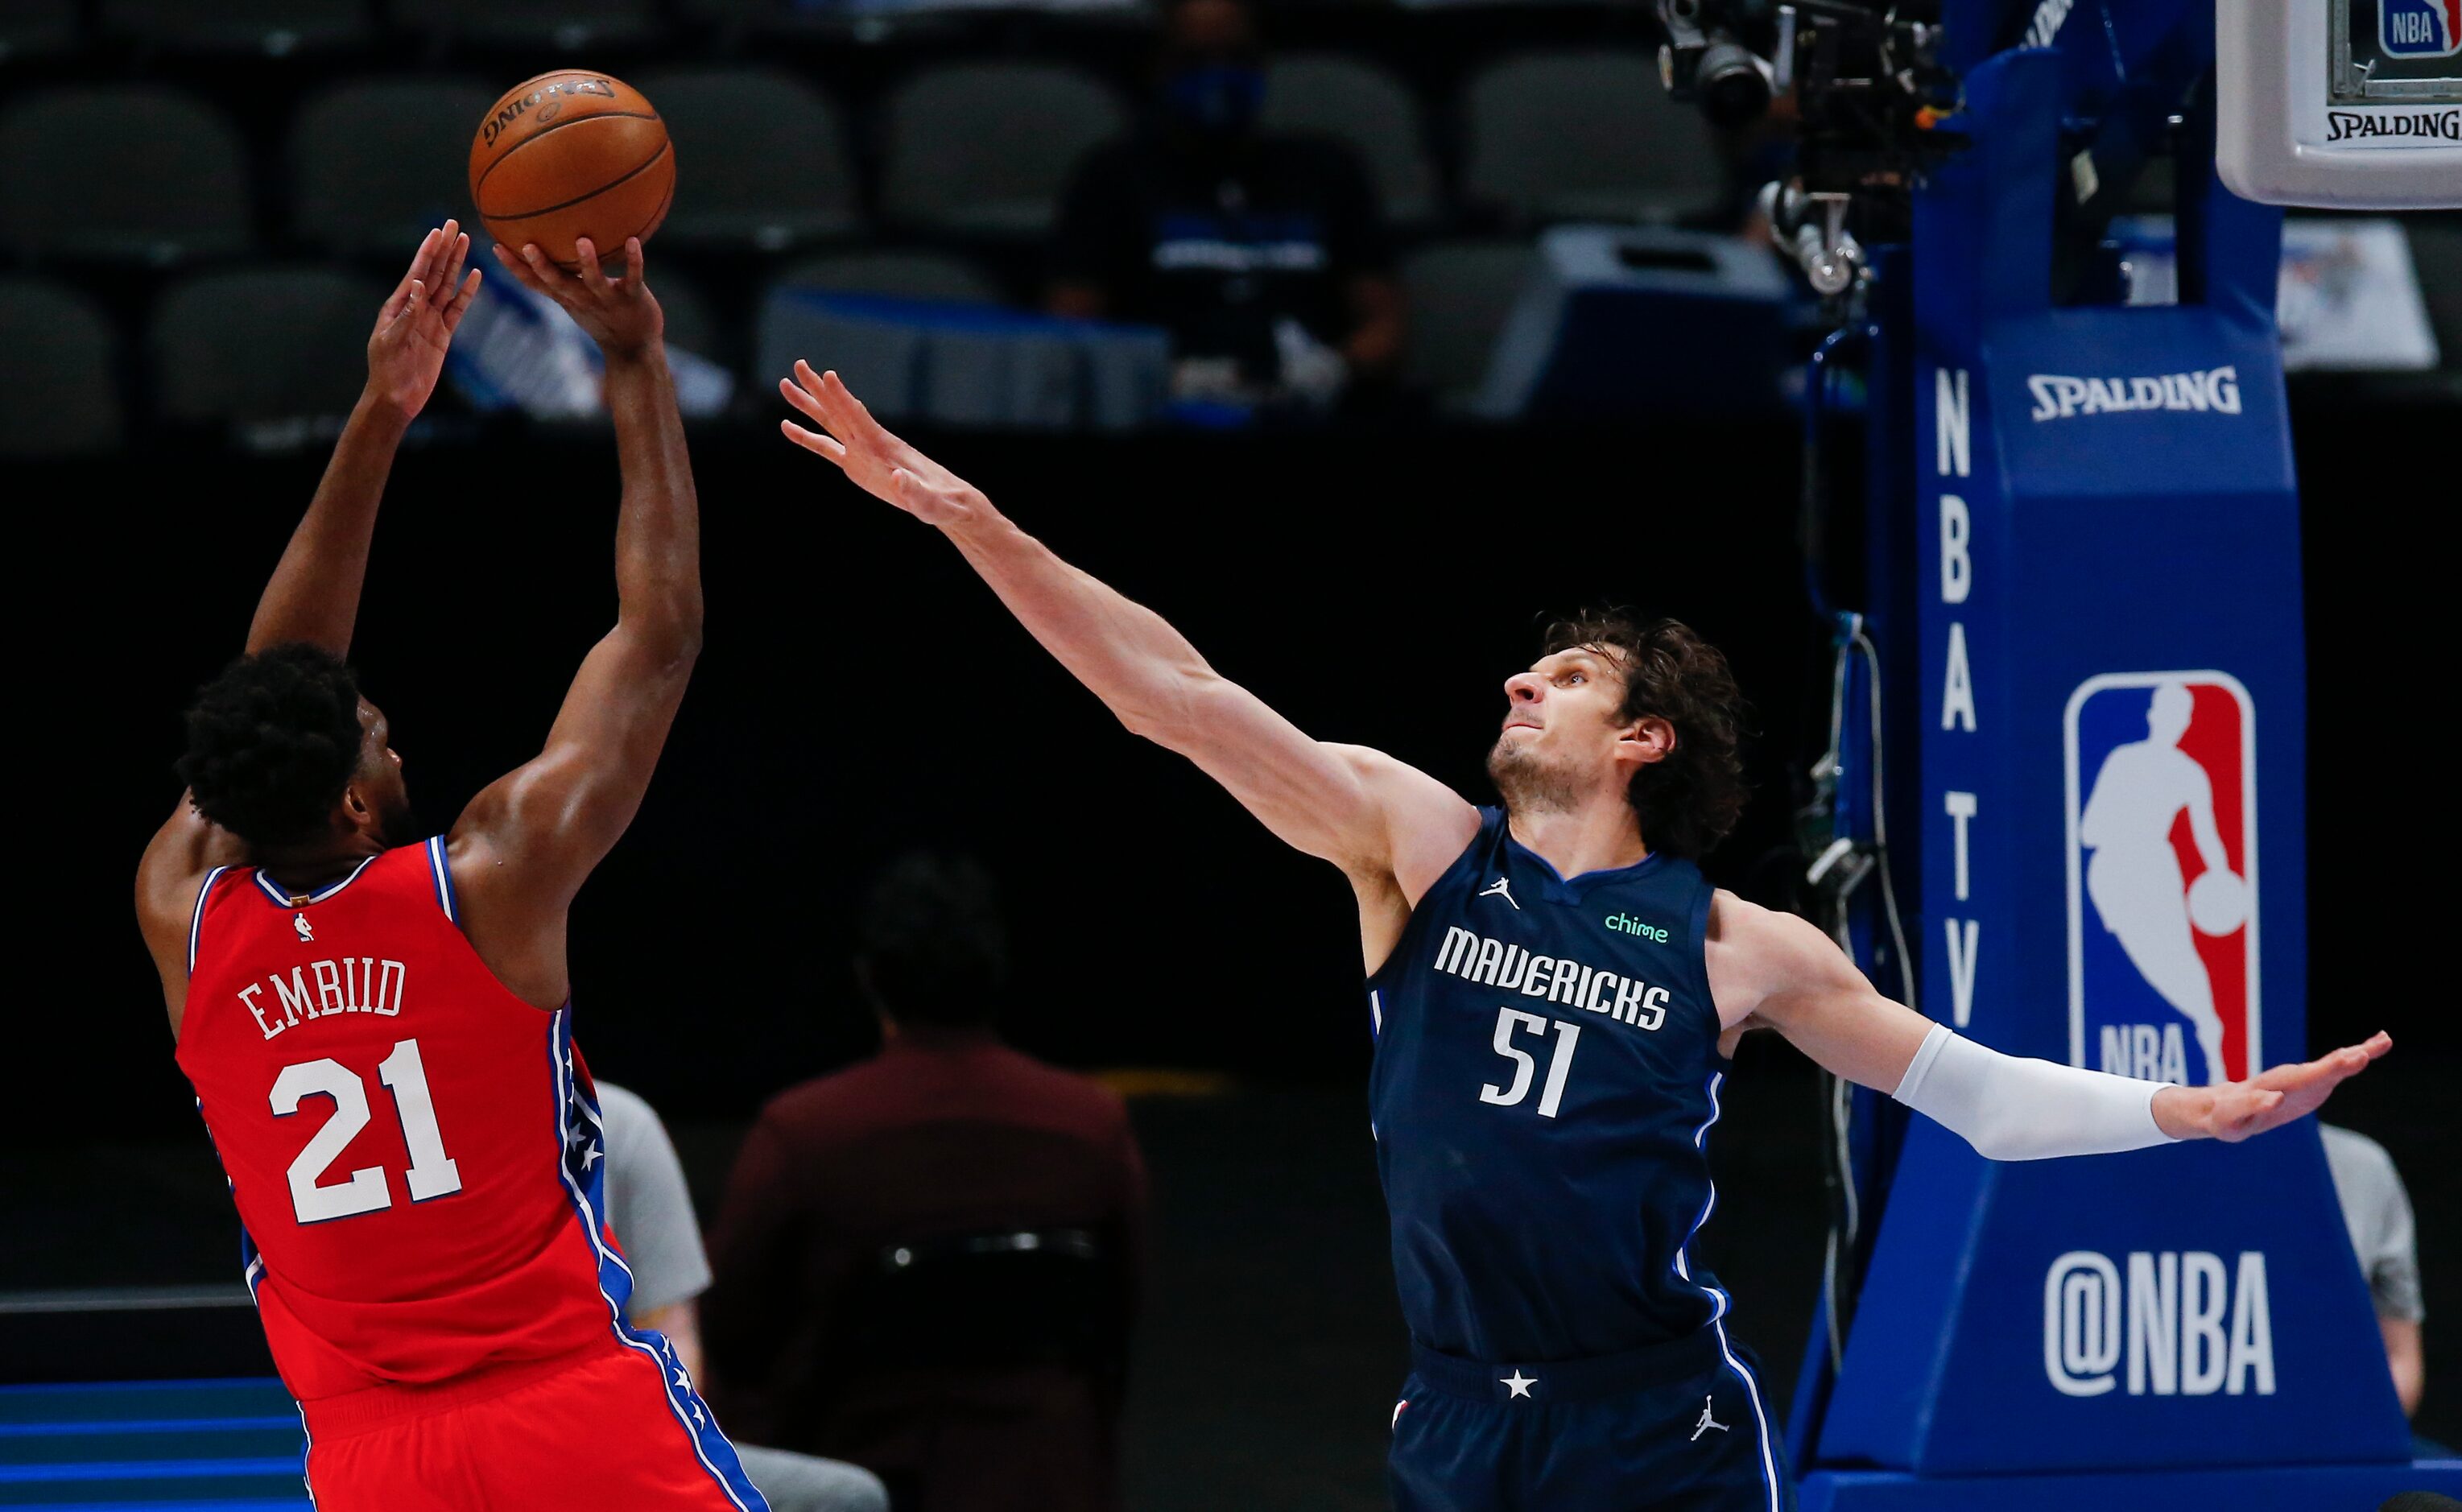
(527,842)
(1775,969)
(1387,825)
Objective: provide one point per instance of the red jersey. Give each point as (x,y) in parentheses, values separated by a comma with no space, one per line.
(414,1150)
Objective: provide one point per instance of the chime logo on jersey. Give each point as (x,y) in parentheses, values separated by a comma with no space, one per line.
(2162,876)
(2419,28)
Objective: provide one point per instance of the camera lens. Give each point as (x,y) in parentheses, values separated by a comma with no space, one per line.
(1731,85)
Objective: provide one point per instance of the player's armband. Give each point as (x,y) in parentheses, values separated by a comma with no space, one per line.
(2014,1108)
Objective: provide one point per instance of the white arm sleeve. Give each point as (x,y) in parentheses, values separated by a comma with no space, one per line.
(2014,1108)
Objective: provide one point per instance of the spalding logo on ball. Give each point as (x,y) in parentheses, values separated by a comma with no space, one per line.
(567,155)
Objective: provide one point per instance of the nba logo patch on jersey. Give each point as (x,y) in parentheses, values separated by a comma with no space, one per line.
(2419,28)
(2162,876)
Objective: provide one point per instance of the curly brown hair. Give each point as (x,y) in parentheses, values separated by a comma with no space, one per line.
(1691,798)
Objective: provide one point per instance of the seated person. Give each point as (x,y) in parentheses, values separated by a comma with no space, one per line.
(2377,1211)
(948,1153)
(1266,256)
(650,1212)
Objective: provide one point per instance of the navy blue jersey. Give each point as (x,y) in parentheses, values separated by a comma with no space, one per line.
(1546,1073)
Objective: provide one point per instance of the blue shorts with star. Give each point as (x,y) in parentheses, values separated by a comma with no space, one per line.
(1681,1426)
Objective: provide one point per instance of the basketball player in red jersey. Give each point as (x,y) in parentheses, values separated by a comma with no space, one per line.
(379,1030)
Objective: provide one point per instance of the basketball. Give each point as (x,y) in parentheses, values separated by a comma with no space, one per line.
(2217,903)
(567,155)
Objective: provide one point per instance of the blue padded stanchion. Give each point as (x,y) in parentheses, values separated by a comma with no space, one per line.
(2105,706)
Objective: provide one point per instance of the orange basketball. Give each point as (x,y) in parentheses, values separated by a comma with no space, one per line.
(567,155)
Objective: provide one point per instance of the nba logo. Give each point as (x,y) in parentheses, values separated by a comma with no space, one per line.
(2419,28)
(2162,875)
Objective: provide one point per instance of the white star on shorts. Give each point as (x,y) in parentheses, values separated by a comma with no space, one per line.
(1520,1383)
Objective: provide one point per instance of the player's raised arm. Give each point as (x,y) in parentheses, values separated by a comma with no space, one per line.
(1377,819)
(527,842)
(314,592)
(314,595)
(1778,970)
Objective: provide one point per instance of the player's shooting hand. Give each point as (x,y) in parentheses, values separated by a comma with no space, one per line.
(619,314)
(879,462)
(416,325)
(2234,1110)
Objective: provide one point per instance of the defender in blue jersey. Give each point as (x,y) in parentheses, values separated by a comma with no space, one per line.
(1556,992)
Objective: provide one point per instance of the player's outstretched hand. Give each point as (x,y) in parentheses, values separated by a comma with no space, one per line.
(2234,1110)
(619,314)
(880,464)
(416,325)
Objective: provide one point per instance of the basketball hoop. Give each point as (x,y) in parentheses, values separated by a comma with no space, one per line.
(2350,103)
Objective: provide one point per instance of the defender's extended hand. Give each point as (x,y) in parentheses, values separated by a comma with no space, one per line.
(619,314)
(2237,1110)
(880,464)
(416,325)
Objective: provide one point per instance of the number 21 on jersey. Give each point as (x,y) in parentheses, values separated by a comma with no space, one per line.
(431,1174)
(1510,1021)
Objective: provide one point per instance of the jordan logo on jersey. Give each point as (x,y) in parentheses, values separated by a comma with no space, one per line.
(1501,887)
(299,923)
(1707,1422)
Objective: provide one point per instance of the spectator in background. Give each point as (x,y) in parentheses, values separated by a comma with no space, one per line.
(650,1211)
(1264,255)
(2377,1211)
(950,1161)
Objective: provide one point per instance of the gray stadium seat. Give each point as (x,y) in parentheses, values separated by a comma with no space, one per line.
(1459,294)
(57,396)
(761,154)
(2436,257)
(1585,136)
(1366,108)
(277,28)
(532,22)
(375,163)
(901,274)
(984,149)
(122,172)
(32,28)
(257,344)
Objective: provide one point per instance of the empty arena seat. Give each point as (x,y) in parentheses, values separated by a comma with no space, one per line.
(1367,108)
(909,274)
(1585,135)
(1460,293)
(248,345)
(984,149)
(533,23)
(763,153)
(273,27)
(32,28)
(57,394)
(375,163)
(119,172)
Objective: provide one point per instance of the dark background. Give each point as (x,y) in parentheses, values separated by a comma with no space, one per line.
(861,691)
